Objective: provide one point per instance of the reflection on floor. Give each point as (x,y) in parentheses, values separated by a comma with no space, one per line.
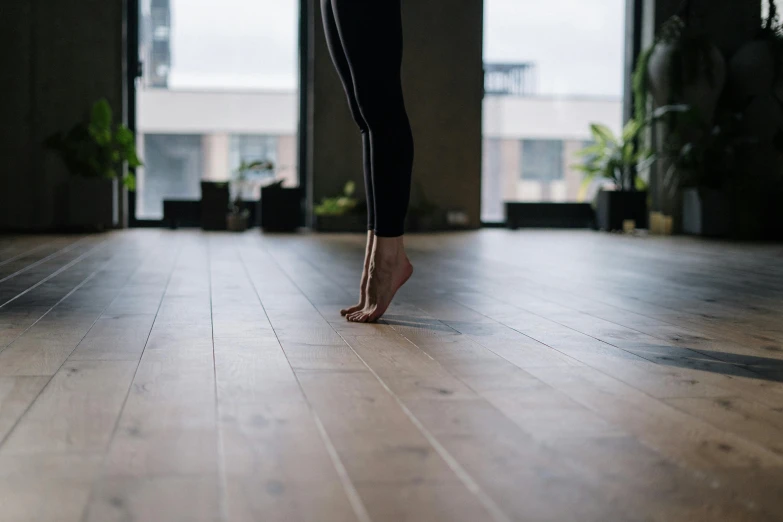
(557,376)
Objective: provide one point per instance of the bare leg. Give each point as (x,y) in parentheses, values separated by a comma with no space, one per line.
(389,269)
(365,276)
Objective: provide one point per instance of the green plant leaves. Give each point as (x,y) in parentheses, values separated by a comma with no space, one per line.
(632,129)
(94,148)
(339,205)
(129,181)
(601,133)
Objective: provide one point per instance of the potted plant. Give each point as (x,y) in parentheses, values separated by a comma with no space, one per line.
(95,153)
(614,159)
(238,213)
(705,168)
(281,207)
(215,198)
(682,67)
(340,213)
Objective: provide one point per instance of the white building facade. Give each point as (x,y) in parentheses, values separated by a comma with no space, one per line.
(187,136)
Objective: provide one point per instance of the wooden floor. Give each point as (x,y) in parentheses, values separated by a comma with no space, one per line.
(169,376)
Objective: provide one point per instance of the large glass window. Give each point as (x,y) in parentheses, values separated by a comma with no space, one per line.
(542,160)
(551,69)
(220,85)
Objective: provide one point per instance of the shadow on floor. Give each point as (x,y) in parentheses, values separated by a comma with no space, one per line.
(732,364)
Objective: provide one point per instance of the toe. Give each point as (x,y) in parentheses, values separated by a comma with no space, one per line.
(350,310)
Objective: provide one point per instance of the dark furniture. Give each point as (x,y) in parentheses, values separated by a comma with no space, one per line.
(614,207)
(281,208)
(705,213)
(92,203)
(549,215)
(214,205)
(187,212)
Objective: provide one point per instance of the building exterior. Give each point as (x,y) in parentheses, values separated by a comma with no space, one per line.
(184,137)
(530,144)
(155,42)
(189,136)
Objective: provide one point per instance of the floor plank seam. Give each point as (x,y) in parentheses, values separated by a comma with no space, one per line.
(23,254)
(100,245)
(221,466)
(71,292)
(51,256)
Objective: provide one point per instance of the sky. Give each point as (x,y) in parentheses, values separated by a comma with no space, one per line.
(577,45)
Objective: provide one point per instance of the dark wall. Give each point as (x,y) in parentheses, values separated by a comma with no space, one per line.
(57,58)
(443,82)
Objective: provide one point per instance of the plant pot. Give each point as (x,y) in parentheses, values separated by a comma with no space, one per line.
(344,223)
(701,85)
(614,207)
(214,202)
(660,224)
(93,203)
(281,208)
(705,212)
(236,222)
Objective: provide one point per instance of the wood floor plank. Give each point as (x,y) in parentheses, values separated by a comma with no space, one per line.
(152,375)
(46,487)
(76,412)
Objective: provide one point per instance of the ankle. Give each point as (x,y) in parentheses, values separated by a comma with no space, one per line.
(388,248)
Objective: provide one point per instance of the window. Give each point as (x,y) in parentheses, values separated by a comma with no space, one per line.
(551,69)
(542,160)
(173,167)
(220,86)
(248,148)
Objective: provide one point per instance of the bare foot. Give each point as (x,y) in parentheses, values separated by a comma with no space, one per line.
(365,276)
(389,269)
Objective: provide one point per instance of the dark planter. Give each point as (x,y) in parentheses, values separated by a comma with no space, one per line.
(705,212)
(181,213)
(344,223)
(281,208)
(214,204)
(93,203)
(237,222)
(549,215)
(614,207)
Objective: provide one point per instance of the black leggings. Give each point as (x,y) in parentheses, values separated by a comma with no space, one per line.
(365,41)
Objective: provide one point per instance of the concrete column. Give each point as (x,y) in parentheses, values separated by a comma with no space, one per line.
(511,168)
(286,161)
(443,83)
(215,148)
(573,178)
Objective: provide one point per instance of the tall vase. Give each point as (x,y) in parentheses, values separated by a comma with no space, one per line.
(672,80)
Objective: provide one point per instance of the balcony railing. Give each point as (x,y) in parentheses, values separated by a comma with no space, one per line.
(510,79)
